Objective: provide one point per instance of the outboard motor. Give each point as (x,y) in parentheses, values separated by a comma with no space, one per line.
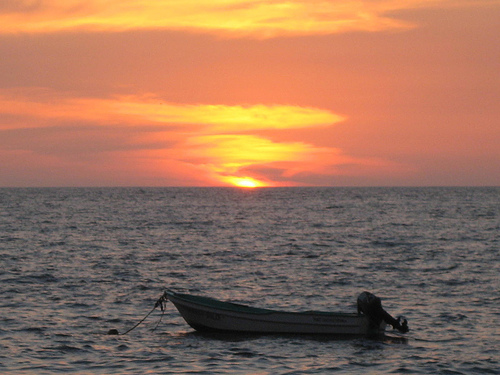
(371,306)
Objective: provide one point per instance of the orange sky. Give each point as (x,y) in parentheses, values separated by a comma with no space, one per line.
(249,93)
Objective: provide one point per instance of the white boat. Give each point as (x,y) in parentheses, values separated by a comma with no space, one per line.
(208,314)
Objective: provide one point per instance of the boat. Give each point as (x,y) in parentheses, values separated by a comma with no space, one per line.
(211,315)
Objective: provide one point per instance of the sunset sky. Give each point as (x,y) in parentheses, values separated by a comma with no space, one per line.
(249,93)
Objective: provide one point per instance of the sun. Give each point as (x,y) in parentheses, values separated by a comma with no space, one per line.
(245,182)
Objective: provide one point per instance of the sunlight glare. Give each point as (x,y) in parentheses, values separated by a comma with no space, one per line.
(245,182)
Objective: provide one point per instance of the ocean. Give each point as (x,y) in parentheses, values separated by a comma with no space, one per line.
(77,262)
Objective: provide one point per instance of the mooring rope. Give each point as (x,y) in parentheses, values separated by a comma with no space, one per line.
(161,303)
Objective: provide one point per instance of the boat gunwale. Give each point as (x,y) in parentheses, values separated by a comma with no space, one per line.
(240,308)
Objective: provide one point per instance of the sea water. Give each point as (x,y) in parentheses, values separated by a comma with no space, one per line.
(77,262)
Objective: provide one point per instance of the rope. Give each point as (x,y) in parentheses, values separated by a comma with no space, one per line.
(162,301)
(159,321)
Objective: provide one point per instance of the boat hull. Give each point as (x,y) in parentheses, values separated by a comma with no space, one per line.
(205,314)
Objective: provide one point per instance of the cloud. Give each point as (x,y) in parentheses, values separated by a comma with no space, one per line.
(140,110)
(210,141)
(229,152)
(230,157)
(250,160)
(236,18)
(220,118)
(161,142)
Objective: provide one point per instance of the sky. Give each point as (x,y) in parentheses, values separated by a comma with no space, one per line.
(249,93)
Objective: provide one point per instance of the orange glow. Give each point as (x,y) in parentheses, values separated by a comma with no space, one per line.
(248,92)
